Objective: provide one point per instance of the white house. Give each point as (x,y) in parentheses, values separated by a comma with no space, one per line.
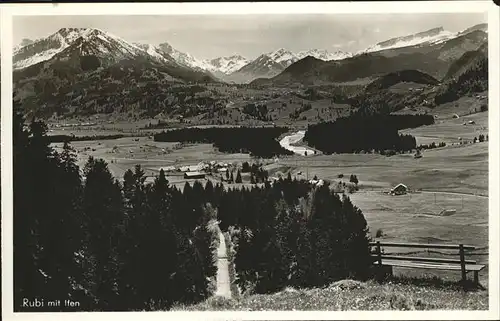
(399,189)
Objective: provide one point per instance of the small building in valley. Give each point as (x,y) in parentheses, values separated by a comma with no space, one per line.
(399,189)
(194,175)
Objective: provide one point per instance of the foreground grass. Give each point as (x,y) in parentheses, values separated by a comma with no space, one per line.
(396,294)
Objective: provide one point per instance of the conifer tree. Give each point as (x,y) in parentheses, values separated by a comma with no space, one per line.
(159,267)
(46,212)
(61,231)
(103,212)
(30,162)
(133,246)
(209,192)
(357,240)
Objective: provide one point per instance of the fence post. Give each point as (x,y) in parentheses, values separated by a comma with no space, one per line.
(379,254)
(462,262)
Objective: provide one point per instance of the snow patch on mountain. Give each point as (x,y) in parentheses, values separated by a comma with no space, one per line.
(274,62)
(183,58)
(324,54)
(481,27)
(224,65)
(283,56)
(153,51)
(36,58)
(227,65)
(429,37)
(86,40)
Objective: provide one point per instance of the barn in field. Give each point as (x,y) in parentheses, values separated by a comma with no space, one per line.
(194,175)
(399,189)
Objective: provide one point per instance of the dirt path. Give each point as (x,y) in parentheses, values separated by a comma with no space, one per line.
(223,288)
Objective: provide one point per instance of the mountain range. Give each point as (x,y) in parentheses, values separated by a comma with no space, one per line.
(234,68)
(76,66)
(433,55)
(31,52)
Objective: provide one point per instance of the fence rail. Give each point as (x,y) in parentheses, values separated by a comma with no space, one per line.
(378,256)
(423,259)
(423,245)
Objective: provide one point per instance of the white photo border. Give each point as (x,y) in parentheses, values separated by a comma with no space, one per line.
(8,11)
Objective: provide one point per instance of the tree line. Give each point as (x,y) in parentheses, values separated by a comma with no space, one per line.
(365,133)
(73,138)
(258,141)
(257,111)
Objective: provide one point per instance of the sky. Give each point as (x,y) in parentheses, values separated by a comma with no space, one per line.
(212,36)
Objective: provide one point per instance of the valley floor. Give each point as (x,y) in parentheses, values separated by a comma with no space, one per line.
(454,177)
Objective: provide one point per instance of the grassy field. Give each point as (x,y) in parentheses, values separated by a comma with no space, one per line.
(461,169)
(447,130)
(124,153)
(397,294)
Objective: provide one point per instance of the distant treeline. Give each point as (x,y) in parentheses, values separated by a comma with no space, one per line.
(393,78)
(257,111)
(432,145)
(71,138)
(362,133)
(258,141)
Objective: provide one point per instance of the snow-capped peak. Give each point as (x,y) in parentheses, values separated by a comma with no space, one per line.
(323,54)
(431,36)
(227,65)
(41,49)
(86,40)
(282,55)
(286,56)
(183,58)
(155,52)
(479,27)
